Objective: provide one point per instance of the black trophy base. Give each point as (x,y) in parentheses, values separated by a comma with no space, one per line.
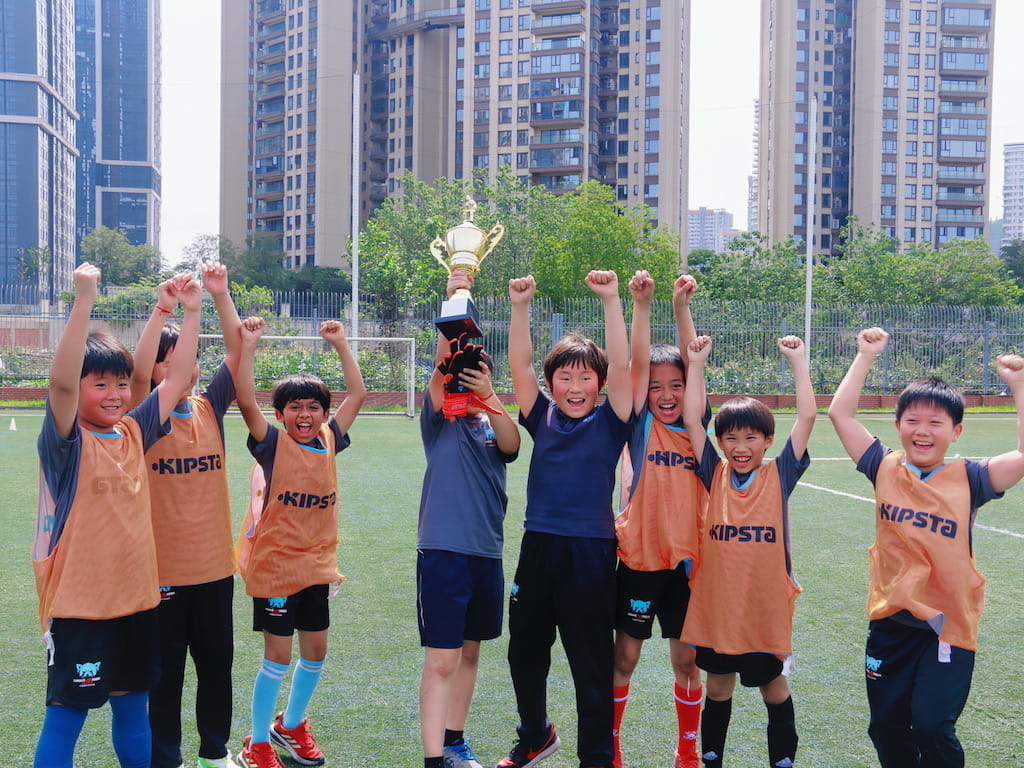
(459,316)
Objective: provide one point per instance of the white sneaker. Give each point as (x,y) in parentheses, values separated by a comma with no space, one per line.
(221,762)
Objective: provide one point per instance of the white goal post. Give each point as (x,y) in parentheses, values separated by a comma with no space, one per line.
(388,365)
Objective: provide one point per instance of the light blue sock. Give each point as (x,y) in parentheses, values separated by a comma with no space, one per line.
(304,680)
(129,729)
(264,698)
(57,740)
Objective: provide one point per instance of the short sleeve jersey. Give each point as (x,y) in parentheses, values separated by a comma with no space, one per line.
(94,511)
(572,469)
(922,569)
(463,503)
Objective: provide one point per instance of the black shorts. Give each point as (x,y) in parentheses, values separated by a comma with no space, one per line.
(305,611)
(458,597)
(755,669)
(93,657)
(642,595)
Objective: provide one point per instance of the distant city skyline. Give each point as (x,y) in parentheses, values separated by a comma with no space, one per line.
(724,83)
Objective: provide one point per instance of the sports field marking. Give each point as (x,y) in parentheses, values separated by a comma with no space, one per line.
(872,501)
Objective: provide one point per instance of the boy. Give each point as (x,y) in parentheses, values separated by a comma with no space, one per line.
(287,548)
(657,530)
(94,527)
(459,577)
(925,595)
(191,509)
(740,617)
(565,579)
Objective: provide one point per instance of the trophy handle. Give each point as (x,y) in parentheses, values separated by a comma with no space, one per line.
(435,249)
(497,232)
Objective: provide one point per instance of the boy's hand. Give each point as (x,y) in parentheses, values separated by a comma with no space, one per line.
(251,330)
(458,279)
(641,286)
(332,331)
(187,291)
(166,299)
(87,280)
(603,282)
(699,349)
(872,341)
(215,278)
(792,348)
(477,380)
(521,289)
(1010,368)
(683,290)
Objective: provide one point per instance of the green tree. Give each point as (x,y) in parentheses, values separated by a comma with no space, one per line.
(753,271)
(208,248)
(322,280)
(120,262)
(261,263)
(1012,255)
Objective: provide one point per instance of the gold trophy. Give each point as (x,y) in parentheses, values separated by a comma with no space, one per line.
(466,245)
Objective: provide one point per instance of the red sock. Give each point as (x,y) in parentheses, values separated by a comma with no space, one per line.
(620,697)
(688,713)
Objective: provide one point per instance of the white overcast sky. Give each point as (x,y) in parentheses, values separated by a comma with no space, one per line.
(723,83)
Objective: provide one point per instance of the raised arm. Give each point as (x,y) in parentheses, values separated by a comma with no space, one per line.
(682,293)
(520,345)
(605,283)
(249,333)
(695,395)
(66,368)
(641,286)
(215,280)
(189,294)
(149,342)
(333,333)
(792,349)
(843,411)
(1006,469)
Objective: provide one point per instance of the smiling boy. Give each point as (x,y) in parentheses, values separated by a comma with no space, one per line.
(287,551)
(740,616)
(925,596)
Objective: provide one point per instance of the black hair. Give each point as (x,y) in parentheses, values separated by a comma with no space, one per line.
(300,386)
(168,340)
(744,412)
(668,354)
(105,354)
(932,390)
(576,350)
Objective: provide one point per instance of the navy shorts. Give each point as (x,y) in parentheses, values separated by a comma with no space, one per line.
(93,657)
(305,611)
(754,669)
(642,595)
(458,597)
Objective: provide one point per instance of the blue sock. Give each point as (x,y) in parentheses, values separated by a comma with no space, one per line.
(304,680)
(129,729)
(57,740)
(264,698)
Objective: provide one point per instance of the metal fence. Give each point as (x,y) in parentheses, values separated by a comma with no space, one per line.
(958,343)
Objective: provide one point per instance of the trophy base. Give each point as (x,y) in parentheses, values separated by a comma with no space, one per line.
(459,316)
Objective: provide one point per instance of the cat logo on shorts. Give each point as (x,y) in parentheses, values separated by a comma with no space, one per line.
(88,674)
(871,667)
(275,606)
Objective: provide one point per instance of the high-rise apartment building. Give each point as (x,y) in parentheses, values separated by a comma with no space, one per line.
(117,47)
(37,133)
(710,229)
(1013,193)
(903,94)
(557,91)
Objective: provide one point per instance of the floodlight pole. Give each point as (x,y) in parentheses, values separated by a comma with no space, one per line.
(812,172)
(355,210)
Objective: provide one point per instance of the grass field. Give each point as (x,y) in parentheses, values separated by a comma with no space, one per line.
(365,711)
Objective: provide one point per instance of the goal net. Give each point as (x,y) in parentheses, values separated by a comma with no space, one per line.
(388,366)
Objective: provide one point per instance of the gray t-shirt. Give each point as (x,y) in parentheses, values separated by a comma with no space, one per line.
(462,507)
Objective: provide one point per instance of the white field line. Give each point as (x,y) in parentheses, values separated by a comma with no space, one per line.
(872,501)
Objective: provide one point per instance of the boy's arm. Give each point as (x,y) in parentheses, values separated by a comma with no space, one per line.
(355,390)
(843,411)
(149,342)
(66,368)
(695,395)
(520,345)
(189,294)
(682,292)
(215,280)
(792,349)
(506,433)
(249,333)
(1006,469)
(605,283)
(641,286)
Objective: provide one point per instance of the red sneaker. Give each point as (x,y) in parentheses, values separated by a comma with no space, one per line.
(687,760)
(259,755)
(522,756)
(297,742)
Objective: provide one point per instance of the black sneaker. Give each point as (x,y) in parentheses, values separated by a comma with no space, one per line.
(522,756)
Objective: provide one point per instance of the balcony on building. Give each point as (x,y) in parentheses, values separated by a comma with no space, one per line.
(550,5)
(268,10)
